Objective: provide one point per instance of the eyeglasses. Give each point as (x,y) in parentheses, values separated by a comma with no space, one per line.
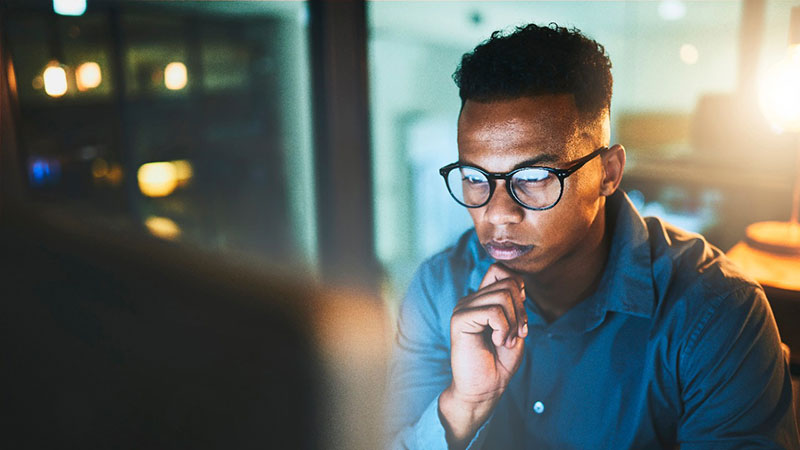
(536,188)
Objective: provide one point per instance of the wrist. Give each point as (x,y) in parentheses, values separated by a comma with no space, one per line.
(462,415)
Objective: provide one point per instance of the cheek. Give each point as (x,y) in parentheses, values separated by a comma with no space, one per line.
(548,228)
(475,215)
(482,227)
(551,228)
(587,183)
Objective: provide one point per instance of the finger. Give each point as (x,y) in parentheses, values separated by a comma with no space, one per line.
(505,279)
(502,294)
(497,272)
(510,284)
(517,291)
(522,314)
(515,303)
(477,320)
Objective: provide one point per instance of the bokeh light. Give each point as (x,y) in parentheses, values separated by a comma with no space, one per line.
(175,76)
(157,179)
(115,175)
(671,9)
(88,76)
(184,171)
(689,54)
(163,227)
(43,171)
(55,81)
(69,7)
(38,82)
(99,168)
(780,92)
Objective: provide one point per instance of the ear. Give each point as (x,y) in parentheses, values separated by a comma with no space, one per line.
(613,166)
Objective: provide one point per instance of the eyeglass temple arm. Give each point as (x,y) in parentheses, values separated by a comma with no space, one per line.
(581,162)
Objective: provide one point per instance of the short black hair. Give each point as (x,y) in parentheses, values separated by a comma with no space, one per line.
(537,60)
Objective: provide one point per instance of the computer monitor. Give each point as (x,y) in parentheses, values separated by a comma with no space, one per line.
(118,342)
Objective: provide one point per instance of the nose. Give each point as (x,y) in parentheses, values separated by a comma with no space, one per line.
(502,209)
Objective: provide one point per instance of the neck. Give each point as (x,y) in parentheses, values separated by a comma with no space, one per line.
(575,276)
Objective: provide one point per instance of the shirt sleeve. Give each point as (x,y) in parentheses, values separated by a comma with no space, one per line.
(735,383)
(420,366)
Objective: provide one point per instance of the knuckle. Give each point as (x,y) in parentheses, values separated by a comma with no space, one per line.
(495,309)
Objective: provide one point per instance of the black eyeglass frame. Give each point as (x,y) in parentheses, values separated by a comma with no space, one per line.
(561,174)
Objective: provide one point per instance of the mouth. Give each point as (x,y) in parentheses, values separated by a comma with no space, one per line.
(506,250)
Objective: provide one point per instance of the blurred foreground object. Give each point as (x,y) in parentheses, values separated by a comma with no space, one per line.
(114,341)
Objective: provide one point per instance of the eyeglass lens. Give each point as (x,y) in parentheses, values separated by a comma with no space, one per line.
(534,187)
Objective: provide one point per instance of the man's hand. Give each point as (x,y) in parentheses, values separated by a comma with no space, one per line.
(487,339)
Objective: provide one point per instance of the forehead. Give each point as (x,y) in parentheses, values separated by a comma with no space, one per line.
(541,127)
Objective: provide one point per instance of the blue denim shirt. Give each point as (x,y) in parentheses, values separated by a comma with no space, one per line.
(675,347)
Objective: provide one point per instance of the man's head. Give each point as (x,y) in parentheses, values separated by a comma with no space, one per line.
(539,96)
(535,60)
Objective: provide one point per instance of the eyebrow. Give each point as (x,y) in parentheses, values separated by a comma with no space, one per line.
(543,158)
(535,161)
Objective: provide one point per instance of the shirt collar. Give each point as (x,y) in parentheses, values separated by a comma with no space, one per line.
(627,282)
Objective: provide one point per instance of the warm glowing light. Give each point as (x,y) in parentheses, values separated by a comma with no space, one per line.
(163,227)
(99,168)
(689,54)
(671,9)
(55,81)
(780,92)
(184,171)
(11,77)
(103,172)
(175,76)
(115,175)
(69,7)
(157,179)
(88,76)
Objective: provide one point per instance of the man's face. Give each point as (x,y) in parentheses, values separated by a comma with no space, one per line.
(543,130)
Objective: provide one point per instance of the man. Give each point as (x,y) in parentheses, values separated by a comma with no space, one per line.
(564,319)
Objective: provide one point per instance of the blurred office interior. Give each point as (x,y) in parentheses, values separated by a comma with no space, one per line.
(700,153)
(302,138)
(195,122)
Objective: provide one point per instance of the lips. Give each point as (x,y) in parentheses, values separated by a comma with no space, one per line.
(506,250)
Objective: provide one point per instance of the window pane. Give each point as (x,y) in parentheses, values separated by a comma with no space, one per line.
(188,120)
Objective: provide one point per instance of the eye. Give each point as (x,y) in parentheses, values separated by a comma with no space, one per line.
(472,179)
(471,176)
(531,176)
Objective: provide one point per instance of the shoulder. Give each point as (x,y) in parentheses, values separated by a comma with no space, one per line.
(684,263)
(699,290)
(446,275)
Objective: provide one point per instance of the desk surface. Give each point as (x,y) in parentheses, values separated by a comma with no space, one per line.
(778,271)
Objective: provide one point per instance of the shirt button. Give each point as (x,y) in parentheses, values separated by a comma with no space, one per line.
(538,407)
